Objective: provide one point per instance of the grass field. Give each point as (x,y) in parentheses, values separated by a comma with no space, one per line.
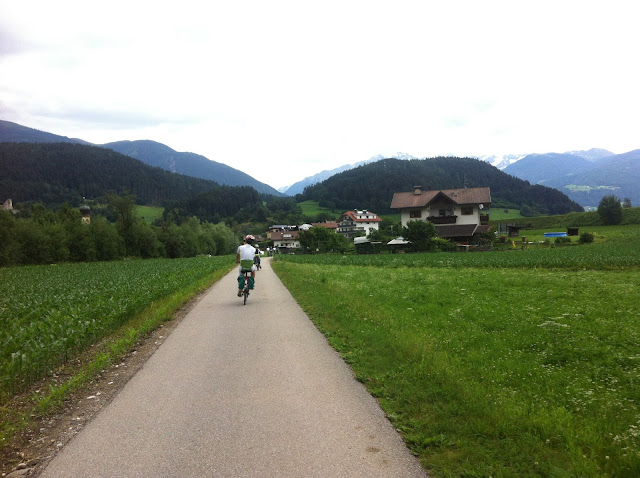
(312,209)
(522,362)
(500,214)
(506,364)
(148,213)
(630,216)
(49,314)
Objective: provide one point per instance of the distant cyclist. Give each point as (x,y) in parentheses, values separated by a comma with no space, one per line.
(256,258)
(244,257)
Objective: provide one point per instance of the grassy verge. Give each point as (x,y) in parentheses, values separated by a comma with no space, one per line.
(491,371)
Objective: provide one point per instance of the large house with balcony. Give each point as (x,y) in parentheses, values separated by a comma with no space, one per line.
(358,223)
(457,214)
(285,240)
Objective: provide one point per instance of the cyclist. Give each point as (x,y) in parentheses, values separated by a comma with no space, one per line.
(256,258)
(244,257)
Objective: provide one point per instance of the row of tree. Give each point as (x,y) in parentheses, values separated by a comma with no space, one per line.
(48,236)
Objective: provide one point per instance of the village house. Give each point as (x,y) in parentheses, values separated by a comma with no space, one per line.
(358,223)
(331,225)
(457,214)
(285,241)
(279,228)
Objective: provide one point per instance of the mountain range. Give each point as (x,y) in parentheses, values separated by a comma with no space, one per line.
(298,188)
(584,176)
(149,152)
(373,185)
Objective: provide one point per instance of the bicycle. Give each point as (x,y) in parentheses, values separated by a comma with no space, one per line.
(256,261)
(246,266)
(245,289)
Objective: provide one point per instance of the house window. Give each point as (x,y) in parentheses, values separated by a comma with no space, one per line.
(414,213)
(442,212)
(467,210)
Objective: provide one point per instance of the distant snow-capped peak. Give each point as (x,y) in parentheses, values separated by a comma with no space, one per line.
(398,155)
(501,161)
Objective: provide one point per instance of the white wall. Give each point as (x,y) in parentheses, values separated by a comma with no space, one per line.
(457,211)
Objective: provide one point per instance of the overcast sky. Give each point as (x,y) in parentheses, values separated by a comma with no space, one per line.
(284,89)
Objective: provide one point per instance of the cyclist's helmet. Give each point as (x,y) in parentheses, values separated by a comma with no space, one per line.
(250,238)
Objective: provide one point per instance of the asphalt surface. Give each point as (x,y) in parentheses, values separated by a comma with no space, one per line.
(240,391)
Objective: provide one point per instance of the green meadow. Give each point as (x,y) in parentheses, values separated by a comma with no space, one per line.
(49,314)
(521,361)
(149,213)
(313,208)
(498,214)
(515,363)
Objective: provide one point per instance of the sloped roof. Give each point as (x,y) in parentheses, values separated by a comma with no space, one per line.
(279,236)
(458,196)
(327,224)
(352,216)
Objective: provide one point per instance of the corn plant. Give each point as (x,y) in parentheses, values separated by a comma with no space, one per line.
(49,314)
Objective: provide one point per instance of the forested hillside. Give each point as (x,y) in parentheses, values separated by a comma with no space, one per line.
(15,133)
(617,175)
(372,186)
(219,204)
(54,173)
(191,164)
(541,168)
(149,152)
(584,179)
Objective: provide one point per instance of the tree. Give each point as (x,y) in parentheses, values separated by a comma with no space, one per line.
(124,209)
(381,235)
(108,243)
(8,245)
(322,239)
(145,241)
(226,240)
(626,203)
(420,234)
(610,210)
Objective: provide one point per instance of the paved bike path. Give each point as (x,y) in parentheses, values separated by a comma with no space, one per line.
(240,391)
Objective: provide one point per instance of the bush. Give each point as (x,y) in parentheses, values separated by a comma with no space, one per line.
(443,245)
(586,238)
(562,240)
(419,234)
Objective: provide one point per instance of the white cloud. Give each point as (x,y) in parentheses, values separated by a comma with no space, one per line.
(282,90)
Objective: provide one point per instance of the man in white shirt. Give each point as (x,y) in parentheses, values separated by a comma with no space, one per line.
(244,257)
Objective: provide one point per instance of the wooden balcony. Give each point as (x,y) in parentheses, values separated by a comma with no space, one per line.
(442,219)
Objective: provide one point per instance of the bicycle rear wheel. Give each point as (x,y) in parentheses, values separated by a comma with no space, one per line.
(245,293)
